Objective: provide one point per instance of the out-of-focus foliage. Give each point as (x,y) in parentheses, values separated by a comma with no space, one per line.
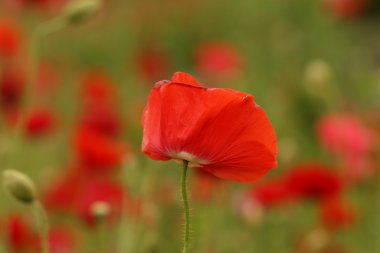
(72,95)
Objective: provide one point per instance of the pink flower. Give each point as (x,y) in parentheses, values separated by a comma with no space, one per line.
(346,137)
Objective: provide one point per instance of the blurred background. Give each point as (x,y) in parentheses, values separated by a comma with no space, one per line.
(74,82)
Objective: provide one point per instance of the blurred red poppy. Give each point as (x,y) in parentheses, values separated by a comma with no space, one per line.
(19,235)
(60,193)
(218,59)
(102,118)
(22,237)
(97,87)
(97,151)
(152,64)
(10,37)
(271,193)
(12,82)
(61,240)
(221,131)
(346,8)
(337,214)
(97,190)
(40,121)
(314,181)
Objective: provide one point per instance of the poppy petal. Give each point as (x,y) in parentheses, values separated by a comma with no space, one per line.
(222,131)
(181,77)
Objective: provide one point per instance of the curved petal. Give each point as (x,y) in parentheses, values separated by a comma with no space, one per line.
(223,131)
(184,78)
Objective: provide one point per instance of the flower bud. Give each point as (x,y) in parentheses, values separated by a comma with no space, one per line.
(20,186)
(100,209)
(317,77)
(77,11)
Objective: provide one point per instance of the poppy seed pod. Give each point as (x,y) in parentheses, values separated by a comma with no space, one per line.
(20,186)
(78,11)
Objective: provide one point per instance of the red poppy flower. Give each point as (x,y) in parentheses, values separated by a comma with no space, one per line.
(346,8)
(314,181)
(99,190)
(337,214)
(23,238)
(218,59)
(271,193)
(152,64)
(61,240)
(102,118)
(19,234)
(97,87)
(97,151)
(40,121)
(12,84)
(221,131)
(10,37)
(61,191)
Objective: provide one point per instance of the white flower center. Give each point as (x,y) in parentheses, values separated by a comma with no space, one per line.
(192,159)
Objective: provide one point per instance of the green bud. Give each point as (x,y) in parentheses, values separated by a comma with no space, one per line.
(77,11)
(19,186)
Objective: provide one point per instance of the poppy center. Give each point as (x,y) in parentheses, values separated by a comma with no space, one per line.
(185,156)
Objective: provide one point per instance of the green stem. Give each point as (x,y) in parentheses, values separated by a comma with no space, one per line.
(42,224)
(186,207)
(100,236)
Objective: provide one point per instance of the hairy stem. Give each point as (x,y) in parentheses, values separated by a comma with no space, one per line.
(186,207)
